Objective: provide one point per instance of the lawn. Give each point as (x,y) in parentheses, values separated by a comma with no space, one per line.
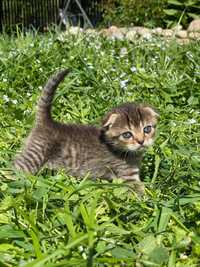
(54,220)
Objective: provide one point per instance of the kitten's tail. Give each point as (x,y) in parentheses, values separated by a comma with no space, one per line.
(43,114)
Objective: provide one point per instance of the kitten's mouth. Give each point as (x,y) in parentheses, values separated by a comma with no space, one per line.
(141,148)
(136,148)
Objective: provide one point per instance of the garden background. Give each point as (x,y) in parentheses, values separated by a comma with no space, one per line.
(53,219)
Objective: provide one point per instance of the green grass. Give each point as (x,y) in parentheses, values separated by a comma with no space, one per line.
(54,220)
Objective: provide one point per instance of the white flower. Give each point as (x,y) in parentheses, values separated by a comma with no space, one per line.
(14,101)
(123,51)
(191,121)
(90,66)
(5,98)
(189,54)
(183,256)
(123,83)
(81,248)
(98,46)
(27,112)
(122,75)
(133,69)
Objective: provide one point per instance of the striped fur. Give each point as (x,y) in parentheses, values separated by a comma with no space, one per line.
(113,150)
(43,114)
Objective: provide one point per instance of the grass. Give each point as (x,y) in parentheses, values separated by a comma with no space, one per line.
(54,220)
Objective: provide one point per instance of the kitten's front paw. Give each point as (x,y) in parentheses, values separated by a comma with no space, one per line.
(137,186)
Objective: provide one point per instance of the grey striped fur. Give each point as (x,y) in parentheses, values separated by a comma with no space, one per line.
(43,114)
(83,149)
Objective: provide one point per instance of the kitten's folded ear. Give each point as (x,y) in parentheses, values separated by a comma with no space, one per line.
(152,111)
(109,120)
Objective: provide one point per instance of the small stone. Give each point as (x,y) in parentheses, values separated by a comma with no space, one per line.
(91,32)
(104,32)
(194,35)
(183,41)
(194,26)
(181,34)
(144,33)
(137,28)
(124,30)
(116,33)
(157,31)
(123,51)
(131,35)
(167,33)
(113,32)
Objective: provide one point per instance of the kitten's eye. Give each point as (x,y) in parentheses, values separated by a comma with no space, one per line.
(147,129)
(127,135)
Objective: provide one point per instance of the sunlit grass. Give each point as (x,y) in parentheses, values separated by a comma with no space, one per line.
(54,220)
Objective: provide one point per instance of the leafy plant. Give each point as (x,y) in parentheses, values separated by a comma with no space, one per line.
(151,13)
(181,11)
(124,12)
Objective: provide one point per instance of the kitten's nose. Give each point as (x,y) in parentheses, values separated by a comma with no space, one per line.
(141,142)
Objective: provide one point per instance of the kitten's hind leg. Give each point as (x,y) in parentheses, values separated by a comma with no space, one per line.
(31,159)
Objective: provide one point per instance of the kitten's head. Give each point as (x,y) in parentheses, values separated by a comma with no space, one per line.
(130,127)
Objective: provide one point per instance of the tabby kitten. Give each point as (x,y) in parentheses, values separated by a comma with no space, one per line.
(113,150)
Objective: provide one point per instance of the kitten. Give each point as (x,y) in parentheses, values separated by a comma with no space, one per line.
(113,150)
